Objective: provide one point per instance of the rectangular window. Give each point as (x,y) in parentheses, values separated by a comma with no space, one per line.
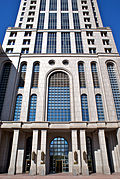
(26,42)
(74,5)
(52,21)
(65,42)
(76,21)
(64,21)
(27,34)
(38,43)
(53,5)
(92,50)
(11,42)
(51,42)
(42,5)
(41,21)
(25,50)
(78,41)
(64,5)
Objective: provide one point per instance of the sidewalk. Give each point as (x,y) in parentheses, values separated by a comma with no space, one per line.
(61,176)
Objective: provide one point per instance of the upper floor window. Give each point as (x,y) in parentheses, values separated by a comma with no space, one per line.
(13,34)
(78,41)
(74,5)
(84,105)
(81,75)
(64,21)
(95,75)
(32,108)
(18,108)
(64,5)
(51,42)
(65,42)
(99,105)
(52,24)
(11,42)
(42,5)
(76,21)
(38,43)
(22,75)
(53,5)
(41,21)
(35,75)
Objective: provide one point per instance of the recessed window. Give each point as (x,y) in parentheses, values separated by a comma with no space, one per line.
(86,19)
(65,62)
(9,50)
(91,41)
(89,33)
(88,26)
(86,13)
(30,19)
(13,34)
(25,50)
(21,18)
(29,26)
(104,34)
(23,8)
(108,50)
(11,42)
(31,13)
(28,34)
(26,42)
(92,50)
(22,14)
(33,2)
(32,7)
(106,42)
(51,62)
(20,24)
(83,2)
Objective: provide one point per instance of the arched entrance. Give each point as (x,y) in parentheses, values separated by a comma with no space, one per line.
(59,155)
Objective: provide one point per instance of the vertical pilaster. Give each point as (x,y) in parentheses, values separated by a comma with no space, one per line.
(102,142)
(83,153)
(33,168)
(12,166)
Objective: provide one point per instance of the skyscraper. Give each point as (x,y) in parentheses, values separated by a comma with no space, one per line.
(59,91)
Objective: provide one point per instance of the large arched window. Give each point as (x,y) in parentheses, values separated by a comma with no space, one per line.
(58,97)
(81,75)
(115,87)
(35,75)
(22,75)
(18,107)
(84,104)
(95,75)
(32,108)
(99,105)
(3,83)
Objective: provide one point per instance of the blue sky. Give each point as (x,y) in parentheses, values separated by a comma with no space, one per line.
(109,9)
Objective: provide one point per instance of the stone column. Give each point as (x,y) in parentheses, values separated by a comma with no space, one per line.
(102,142)
(11,170)
(33,168)
(42,168)
(75,163)
(83,153)
(20,155)
(97,154)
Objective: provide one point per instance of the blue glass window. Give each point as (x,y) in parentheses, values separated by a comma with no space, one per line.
(38,43)
(95,75)
(65,42)
(53,5)
(32,108)
(84,104)
(59,97)
(64,5)
(51,42)
(41,21)
(81,75)
(115,87)
(78,41)
(35,75)
(42,5)
(18,108)
(64,21)
(99,105)
(74,5)
(3,83)
(52,24)
(22,75)
(76,21)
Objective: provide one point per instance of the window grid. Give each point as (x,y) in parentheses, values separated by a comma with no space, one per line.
(38,43)
(18,108)
(76,21)
(32,108)
(65,42)
(3,83)
(78,41)
(41,21)
(51,42)
(35,77)
(52,21)
(81,75)
(99,105)
(53,5)
(64,21)
(42,5)
(74,5)
(84,104)
(115,87)
(59,97)
(22,76)
(64,5)
(95,75)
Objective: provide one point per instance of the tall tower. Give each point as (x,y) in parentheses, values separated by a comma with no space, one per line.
(59,91)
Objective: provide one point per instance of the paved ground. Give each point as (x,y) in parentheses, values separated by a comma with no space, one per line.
(61,176)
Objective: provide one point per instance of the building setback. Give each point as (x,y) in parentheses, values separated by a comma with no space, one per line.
(59,91)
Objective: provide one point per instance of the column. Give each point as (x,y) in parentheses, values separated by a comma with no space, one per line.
(42,167)
(75,163)
(118,138)
(11,170)
(83,153)
(102,142)
(20,154)
(33,168)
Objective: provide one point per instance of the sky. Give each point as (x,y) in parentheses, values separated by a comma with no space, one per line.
(109,10)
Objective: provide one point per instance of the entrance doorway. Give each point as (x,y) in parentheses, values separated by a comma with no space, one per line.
(28,154)
(59,155)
